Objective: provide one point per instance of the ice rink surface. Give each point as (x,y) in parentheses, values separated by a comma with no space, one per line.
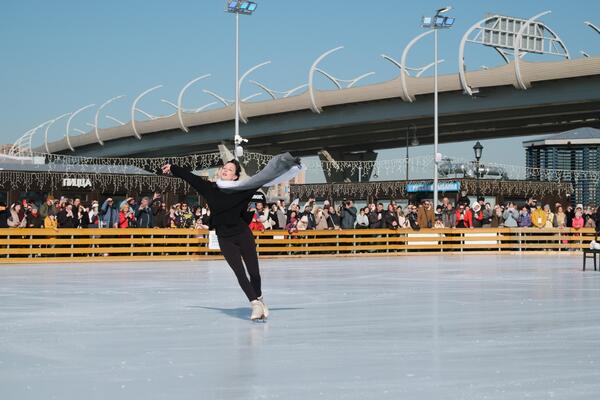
(422,327)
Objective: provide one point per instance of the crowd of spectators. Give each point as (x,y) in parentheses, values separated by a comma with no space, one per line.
(152,212)
(458,214)
(149,212)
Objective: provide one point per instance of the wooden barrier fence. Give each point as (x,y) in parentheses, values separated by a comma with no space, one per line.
(82,245)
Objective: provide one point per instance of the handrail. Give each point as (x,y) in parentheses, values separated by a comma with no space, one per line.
(22,245)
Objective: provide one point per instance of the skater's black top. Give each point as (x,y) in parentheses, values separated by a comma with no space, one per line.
(228,214)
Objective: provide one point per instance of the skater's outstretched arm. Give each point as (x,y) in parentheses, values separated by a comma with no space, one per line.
(201,185)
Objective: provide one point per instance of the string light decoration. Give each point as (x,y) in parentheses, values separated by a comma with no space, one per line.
(107,183)
(397,189)
(108,173)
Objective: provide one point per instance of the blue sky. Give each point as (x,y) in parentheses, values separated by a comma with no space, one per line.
(60,55)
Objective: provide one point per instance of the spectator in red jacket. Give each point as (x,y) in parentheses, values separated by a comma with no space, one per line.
(126,216)
(464,217)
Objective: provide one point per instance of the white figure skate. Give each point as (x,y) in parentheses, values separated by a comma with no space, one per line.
(265,308)
(258,312)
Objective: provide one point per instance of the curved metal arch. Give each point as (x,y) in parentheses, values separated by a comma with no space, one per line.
(251,70)
(17,147)
(170,103)
(52,122)
(419,70)
(424,68)
(274,93)
(594,27)
(311,73)
(518,44)
(241,81)
(333,79)
(270,92)
(148,115)
(180,101)
(205,106)
(96,118)
(560,41)
(357,79)
(71,119)
(253,95)
(134,109)
(223,100)
(115,120)
(405,92)
(289,92)
(461,54)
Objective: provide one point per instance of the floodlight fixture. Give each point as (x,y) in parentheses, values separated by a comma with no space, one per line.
(437,22)
(241,7)
(443,10)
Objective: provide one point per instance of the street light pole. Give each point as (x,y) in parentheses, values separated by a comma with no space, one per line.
(238,7)
(435,119)
(436,22)
(236,138)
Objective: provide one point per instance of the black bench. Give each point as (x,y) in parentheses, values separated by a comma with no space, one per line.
(591,253)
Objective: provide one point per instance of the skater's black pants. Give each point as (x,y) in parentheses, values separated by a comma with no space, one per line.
(238,247)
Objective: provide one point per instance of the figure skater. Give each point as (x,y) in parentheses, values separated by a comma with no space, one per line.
(228,200)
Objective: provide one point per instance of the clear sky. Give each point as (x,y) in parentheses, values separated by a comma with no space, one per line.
(63,54)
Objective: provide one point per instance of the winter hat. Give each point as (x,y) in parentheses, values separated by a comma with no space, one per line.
(476,207)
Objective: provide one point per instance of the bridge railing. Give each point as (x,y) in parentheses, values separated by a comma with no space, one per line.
(48,245)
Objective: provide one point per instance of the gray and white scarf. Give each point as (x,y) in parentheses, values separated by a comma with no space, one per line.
(280,168)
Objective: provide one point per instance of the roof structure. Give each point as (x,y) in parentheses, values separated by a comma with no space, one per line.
(74,168)
(584,136)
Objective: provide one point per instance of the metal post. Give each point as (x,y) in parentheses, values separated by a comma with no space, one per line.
(237,84)
(406,155)
(435,120)
(478,180)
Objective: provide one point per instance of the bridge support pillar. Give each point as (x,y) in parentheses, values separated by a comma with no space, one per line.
(347,174)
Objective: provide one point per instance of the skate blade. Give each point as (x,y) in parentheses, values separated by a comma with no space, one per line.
(259,320)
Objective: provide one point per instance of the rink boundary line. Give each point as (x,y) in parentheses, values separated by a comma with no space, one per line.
(97,260)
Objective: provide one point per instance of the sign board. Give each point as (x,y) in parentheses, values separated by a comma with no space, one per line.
(259,197)
(502,32)
(76,182)
(424,242)
(213,241)
(428,187)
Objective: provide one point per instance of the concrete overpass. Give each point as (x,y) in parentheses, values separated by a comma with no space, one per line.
(561,95)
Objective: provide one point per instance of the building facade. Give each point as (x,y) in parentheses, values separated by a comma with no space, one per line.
(574,156)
